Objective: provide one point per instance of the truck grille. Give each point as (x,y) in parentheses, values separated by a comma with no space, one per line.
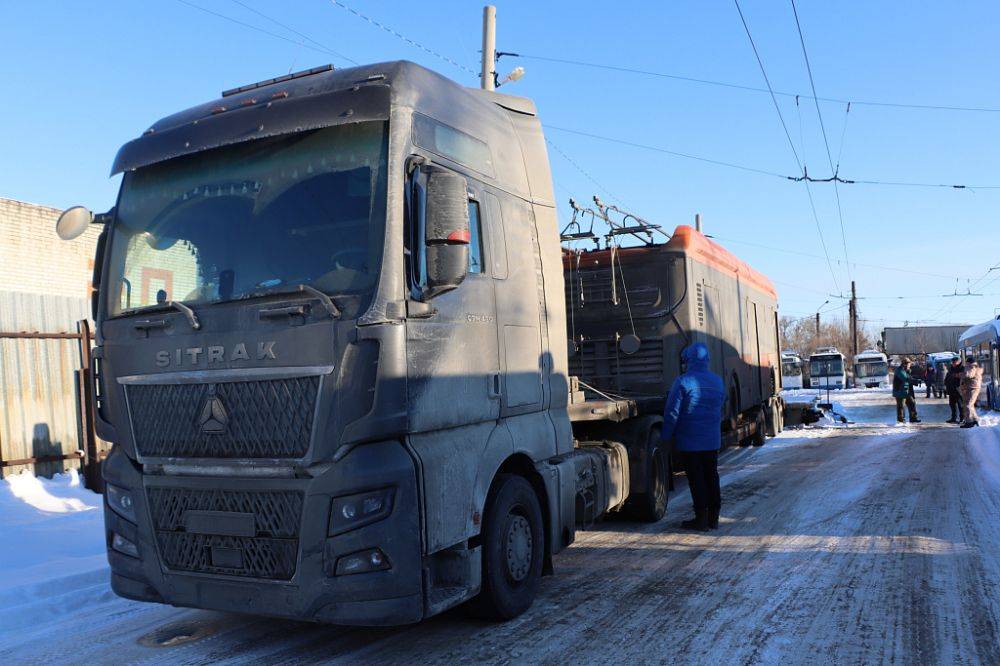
(270,553)
(262,418)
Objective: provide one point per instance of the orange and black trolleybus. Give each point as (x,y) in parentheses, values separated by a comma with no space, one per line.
(632,310)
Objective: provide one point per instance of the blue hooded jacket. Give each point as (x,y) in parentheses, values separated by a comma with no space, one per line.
(693,414)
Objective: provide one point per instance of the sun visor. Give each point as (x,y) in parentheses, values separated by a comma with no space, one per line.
(248,116)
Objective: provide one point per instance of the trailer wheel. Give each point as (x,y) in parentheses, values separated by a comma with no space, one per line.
(760,434)
(513,547)
(651,505)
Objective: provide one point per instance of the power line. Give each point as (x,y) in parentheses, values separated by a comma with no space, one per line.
(250,26)
(826,142)
(665,151)
(791,144)
(816,256)
(736,86)
(583,171)
(406,39)
(294,31)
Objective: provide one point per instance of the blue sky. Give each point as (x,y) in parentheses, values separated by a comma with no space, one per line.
(81,78)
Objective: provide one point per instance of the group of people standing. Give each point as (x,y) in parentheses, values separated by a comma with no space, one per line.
(962,384)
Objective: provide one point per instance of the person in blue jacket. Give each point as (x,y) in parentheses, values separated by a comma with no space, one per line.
(692,418)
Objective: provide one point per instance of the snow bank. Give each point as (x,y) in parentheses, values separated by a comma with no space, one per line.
(52,556)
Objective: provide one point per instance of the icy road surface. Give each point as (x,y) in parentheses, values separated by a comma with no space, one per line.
(867,542)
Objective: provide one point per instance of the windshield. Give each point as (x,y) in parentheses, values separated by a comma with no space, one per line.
(790,368)
(826,366)
(871,368)
(302,209)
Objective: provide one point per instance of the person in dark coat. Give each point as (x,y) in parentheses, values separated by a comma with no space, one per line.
(930,378)
(902,391)
(952,380)
(692,418)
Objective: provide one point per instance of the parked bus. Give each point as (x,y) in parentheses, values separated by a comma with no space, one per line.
(982,342)
(827,369)
(871,369)
(791,370)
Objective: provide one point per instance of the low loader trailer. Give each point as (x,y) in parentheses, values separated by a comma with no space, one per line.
(331,354)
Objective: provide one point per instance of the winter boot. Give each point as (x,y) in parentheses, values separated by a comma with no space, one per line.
(914,419)
(713,519)
(699,523)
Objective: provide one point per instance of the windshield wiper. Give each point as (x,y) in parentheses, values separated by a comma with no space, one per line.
(169,305)
(325,299)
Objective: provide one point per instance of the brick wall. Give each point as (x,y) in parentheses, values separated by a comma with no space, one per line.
(33,260)
(44,286)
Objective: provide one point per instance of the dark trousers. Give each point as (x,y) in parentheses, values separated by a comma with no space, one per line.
(702,469)
(911,406)
(955,404)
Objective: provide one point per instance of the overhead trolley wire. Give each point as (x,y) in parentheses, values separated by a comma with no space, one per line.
(826,142)
(737,86)
(791,144)
(293,30)
(250,26)
(411,42)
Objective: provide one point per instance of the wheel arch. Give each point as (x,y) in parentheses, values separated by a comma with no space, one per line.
(520,464)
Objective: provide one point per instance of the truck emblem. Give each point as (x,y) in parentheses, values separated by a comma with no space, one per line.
(215,354)
(214,417)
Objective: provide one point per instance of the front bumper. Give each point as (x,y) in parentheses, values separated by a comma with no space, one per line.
(387,597)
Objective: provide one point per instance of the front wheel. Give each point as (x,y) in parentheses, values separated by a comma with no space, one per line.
(513,545)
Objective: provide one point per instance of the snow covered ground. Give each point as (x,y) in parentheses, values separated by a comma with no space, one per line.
(863,542)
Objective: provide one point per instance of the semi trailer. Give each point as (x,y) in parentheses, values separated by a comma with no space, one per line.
(331,354)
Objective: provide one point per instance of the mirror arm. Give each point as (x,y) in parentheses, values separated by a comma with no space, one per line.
(106,217)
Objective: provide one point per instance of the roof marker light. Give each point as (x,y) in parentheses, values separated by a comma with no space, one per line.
(278,79)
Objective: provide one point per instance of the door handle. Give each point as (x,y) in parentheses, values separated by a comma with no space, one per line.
(493,388)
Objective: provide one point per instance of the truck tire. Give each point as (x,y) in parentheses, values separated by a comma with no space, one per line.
(651,505)
(513,543)
(760,429)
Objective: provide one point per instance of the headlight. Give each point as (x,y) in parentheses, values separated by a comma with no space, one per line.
(120,502)
(352,511)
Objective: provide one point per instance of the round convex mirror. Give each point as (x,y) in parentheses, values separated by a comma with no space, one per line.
(73,222)
(629,344)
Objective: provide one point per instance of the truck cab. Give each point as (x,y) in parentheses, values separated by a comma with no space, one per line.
(330,353)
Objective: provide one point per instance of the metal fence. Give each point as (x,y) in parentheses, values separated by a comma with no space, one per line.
(46,397)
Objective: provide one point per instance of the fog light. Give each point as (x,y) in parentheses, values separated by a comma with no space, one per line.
(364,561)
(123,545)
(120,502)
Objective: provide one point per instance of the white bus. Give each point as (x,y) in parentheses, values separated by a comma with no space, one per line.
(791,370)
(871,369)
(827,369)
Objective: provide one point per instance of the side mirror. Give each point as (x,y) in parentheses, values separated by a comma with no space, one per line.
(73,222)
(446,231)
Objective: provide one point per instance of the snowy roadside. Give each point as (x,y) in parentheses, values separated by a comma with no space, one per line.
(52,556)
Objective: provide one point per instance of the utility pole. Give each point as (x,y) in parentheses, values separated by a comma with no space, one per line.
(854,320)
(817,326)
(487,77)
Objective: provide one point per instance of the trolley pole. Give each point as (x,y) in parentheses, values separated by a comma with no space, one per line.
(486,77)
(854,320)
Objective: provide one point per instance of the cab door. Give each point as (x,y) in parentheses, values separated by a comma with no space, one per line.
(453,363)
